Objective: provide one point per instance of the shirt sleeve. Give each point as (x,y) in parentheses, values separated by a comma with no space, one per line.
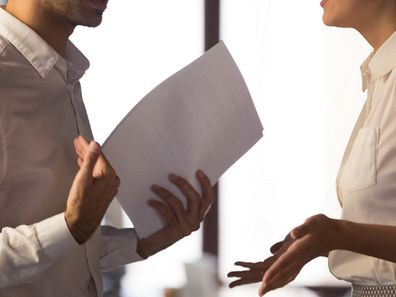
(118,247)
(27,251)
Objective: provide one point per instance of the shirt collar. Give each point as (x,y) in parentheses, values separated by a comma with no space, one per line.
(76,62)
(39,54)
(379,62)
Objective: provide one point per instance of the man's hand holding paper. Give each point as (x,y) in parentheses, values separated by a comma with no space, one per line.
(178,221)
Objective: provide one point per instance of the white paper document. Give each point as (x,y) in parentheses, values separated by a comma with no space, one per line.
(202,117)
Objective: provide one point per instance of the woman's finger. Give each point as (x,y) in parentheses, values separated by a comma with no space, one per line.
(251,265)
(286,266)
(243,281)
(258,274)
(281,278)
(245,264)
(299,231)
(276,247)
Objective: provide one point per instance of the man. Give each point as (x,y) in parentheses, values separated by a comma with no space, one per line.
(51,201)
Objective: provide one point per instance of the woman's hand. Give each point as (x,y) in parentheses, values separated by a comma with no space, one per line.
(315,238)
(253,274)
(255,271)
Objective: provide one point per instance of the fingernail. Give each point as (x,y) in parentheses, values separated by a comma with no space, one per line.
(200,174)
(154,187)
(151,202)
(173,177)
(261,292)
(94,147)
(80,138)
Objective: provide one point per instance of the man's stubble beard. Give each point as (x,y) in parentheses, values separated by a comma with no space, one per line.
(74,12)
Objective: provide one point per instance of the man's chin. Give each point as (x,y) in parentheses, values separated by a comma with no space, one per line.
(91,22)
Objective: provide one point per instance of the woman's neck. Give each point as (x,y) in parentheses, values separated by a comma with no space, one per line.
(380,27)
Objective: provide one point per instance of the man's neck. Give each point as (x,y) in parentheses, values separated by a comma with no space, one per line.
(55,32)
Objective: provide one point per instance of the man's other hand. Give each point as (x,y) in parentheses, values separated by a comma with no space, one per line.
(93,188)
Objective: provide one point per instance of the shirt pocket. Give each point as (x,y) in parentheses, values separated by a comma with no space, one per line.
(361,167)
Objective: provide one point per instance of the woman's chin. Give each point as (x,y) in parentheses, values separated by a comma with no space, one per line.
(327,21)
(331,22)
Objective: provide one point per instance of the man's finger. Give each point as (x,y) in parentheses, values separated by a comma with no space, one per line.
(81,145)
(89,162)
(164,211)
(79,153)
(82,141)
(103,166)
(176,206)
(208,194)
(192,196)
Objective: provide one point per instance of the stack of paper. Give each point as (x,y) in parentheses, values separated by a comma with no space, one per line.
(202,117)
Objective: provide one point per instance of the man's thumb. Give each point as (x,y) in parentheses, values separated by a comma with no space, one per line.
(91,156)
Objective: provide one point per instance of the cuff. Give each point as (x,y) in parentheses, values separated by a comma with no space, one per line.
(55,237)
(118,247)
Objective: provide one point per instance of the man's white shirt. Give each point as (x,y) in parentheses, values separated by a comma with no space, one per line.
(41,112)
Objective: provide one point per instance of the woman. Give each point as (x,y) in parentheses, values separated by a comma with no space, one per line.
(361,247)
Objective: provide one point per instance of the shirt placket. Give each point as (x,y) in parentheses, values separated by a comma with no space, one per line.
(82,122)
(83,128)
(359,124)
(370,93)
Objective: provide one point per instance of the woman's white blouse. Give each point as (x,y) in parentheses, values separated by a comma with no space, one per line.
(366,182)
